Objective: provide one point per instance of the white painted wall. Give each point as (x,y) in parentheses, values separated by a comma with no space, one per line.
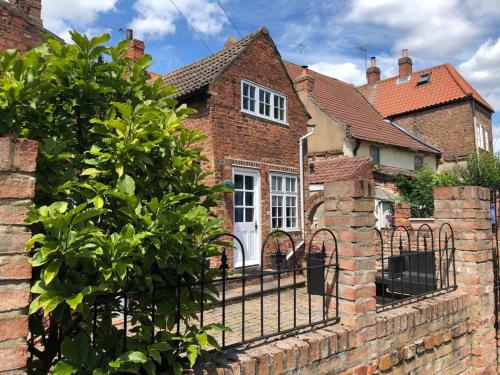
(397,158)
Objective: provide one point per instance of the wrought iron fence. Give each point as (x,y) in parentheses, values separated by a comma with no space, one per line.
(407,272)
(256,303)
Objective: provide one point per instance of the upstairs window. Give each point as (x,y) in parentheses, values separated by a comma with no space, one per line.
(424,78)
(248,95)
(418,162)
(262,102)
(482,137)
(375,154)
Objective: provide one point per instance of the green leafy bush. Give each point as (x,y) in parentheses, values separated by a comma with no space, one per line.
(482,170)
(417,189)
(120,203)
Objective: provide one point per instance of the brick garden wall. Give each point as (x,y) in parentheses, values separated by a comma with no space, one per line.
(450,334)
(17,187)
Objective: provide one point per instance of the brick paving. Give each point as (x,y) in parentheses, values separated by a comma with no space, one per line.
(252,316)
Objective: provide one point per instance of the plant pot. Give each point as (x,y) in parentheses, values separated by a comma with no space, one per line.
(278,259)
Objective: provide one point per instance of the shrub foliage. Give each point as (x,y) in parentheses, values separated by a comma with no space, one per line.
(120,203)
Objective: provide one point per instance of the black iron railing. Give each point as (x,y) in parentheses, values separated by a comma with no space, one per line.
(407,272)
(494,199)
(255,303)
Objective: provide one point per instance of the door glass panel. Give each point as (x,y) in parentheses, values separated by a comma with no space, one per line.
(248,215)
(238,198)
(248,182)
(249,198)
(238,181)
(238,215)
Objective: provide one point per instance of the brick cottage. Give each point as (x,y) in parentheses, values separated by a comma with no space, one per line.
(435,103)
(254,120)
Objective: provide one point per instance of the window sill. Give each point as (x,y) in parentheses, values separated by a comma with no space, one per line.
(266,119)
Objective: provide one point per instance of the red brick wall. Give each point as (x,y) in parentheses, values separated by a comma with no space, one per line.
(17,164)
(448,127)
(266,145)
(484,118)
(17,32)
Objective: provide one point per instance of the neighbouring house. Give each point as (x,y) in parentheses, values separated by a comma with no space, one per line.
(347,126)
(21,25)
(436,104)
(254,121)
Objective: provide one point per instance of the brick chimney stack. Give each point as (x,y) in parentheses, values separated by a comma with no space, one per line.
(373,72)
(136,47)
(405,64)
(304,82)
(32,8)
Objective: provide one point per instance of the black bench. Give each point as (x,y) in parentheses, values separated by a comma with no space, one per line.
(410,273)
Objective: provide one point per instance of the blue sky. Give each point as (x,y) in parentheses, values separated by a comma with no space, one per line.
(322,34)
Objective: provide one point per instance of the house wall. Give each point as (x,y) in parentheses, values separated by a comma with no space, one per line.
(328,134)
(246,141)
(449,127)
(484,118)
(397,158)
(20,33)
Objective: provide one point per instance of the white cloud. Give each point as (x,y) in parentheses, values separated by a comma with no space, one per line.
(496,138)
(347,72)
(157,18)
(482,70)
(60,16)
(428,28)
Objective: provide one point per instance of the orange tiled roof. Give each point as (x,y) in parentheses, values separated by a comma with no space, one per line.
(341,168)
(445,85)
(343,102)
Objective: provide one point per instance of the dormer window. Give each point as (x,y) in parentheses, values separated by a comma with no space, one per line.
(263,102)
(424,78)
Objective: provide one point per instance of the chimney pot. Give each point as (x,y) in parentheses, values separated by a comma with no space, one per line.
(304,82)
(373,72)
(405,64)
(129,34)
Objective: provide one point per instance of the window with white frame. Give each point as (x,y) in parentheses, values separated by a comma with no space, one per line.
(263,102)
(482,137)
(284,202)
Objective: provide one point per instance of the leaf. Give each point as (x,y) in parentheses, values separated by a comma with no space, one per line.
(75,300)
(149,367)
(87,214)
(98,201)
(124,109)
(34,239)
(126,185)
(91,172)
(51,271)
(202,339)
(192,354)
(76,349)
(134,357)
(64,368)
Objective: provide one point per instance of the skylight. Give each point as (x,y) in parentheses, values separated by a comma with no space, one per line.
(424,78)
(402,80)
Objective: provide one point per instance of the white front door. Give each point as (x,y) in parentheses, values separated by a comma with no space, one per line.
(246,215)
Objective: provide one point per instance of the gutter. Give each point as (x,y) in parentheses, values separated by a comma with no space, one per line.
(302,205)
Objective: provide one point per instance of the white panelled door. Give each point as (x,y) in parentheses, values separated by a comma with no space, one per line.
(246,215)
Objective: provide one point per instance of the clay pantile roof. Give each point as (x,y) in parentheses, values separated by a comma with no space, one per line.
(389,97)
(344,103)
(341,168)
(195,76)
